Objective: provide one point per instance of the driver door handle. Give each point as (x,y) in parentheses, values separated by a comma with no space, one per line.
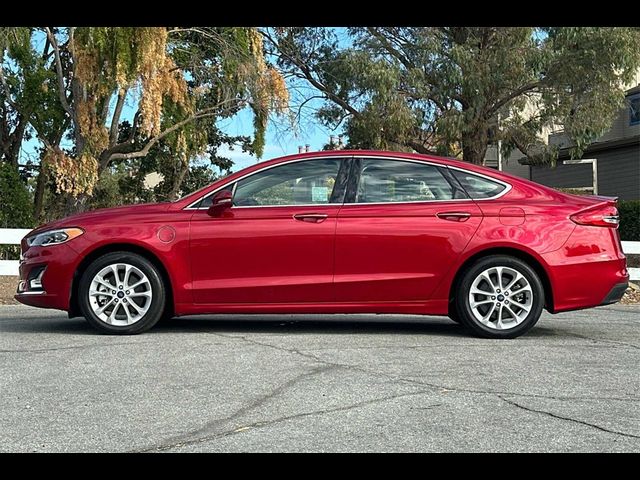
(311,217)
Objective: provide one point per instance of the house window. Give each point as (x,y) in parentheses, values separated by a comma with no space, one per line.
(634,109)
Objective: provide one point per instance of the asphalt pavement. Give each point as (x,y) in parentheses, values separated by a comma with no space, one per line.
(320,383)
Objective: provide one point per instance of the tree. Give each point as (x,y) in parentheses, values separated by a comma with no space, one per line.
(441,89)
(180,80)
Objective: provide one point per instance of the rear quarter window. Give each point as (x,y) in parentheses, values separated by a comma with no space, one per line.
(476,186)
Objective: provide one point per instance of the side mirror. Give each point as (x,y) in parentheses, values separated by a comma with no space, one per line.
(221,202)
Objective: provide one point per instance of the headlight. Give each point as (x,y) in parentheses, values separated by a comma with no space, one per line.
(54,237)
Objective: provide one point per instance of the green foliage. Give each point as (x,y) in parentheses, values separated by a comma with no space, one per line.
(629,220)
(15,200)
(441,89)
(15,206)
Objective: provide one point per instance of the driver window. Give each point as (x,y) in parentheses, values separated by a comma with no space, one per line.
(306,182)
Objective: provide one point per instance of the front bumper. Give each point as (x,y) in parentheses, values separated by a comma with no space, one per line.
(59,262)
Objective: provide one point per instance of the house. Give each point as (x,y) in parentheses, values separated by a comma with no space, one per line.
(609,166)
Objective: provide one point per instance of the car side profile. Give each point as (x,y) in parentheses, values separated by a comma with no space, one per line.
(336,232)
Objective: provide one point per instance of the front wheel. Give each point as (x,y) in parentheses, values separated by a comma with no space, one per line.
(499,297)
(122,293)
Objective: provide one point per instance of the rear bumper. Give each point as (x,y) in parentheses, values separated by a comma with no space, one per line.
(588,271)
(615,294)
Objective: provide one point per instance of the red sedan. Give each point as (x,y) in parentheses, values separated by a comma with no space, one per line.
(336,232)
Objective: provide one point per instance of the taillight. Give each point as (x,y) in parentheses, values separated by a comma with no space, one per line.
(598,216)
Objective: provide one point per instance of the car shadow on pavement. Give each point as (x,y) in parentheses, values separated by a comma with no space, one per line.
(316,324)
(353,324)
(292,324)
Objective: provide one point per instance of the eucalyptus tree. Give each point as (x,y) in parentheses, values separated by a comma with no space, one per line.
(442,89)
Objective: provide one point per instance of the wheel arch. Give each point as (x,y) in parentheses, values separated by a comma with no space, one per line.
(528,258)
(74,308)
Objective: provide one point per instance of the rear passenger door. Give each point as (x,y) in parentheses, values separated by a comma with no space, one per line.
(401,228)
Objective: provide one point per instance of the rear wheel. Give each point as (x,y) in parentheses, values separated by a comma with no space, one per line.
(122,293)
(499,297)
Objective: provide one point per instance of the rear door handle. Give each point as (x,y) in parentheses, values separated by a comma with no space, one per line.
(311,217)
(454,216)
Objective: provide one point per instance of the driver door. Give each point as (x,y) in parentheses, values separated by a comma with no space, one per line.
(276,243)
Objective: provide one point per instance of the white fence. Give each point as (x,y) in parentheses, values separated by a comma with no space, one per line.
(12,236)
(632,248)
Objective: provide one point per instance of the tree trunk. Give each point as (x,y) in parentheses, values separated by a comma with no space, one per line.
(39,195)
(474,145)
(177,181)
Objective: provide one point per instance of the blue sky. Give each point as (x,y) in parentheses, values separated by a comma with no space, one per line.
(279,139)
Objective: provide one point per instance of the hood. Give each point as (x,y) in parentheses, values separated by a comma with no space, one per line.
(102,214)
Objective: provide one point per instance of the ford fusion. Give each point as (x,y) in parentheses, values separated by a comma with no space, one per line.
(336,232)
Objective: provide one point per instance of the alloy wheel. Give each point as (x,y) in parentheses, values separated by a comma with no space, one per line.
(120,294)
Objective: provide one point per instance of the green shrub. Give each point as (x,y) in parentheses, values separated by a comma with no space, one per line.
(15,206)
(629,220)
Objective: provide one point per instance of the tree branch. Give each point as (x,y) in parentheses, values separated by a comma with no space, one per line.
(61,87)
(115,119)
(516,93)
(419,147)
(308,75)
(391,50)
(115,153)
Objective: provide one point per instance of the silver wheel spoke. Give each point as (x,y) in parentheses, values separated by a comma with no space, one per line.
(127,273)
(499,275)
(496,309)
(486,318)
(125,307)
(140,294)
(524,307)
(112,315)
(138,309)
(514,281)
(499,324)
(137,284)
(114,269)
(516,317)
(98,293)
(481,302)
(487,279)
(101,310)
(477,291)
(124,310)
(101,281)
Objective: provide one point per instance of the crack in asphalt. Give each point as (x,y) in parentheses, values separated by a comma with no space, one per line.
(264,423)
(568,419)
(367,371)
(192,436)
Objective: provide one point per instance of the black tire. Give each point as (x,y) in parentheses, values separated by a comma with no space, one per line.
(463,309)
(158,300)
